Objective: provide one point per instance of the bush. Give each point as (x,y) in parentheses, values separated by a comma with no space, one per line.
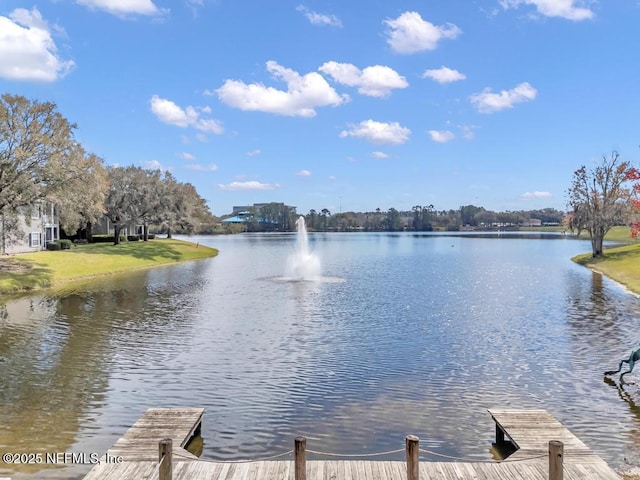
(151,236)
(54,246)
(107,238)
(65,244)
(133,238)
(102,238)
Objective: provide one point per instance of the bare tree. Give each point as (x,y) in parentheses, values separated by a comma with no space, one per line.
(600,198)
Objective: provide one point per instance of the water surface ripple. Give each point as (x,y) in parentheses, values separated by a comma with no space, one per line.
(417,334)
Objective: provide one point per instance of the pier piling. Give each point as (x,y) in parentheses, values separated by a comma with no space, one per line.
(300,458)
(412,446)
(165,459)
(556,452)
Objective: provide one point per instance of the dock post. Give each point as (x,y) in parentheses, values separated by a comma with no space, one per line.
(165,459)
(412,447)
(300,458)
(556,453)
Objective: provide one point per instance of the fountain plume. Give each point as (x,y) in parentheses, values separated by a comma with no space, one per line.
(303,264)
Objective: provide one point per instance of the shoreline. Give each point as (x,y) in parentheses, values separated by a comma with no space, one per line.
(620,264)
(623,286)
(31,272)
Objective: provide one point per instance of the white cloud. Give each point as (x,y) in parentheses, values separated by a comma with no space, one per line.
(303,95)
(168,112)
(444,75)
(155,165)
(27,50)
(319,18)
(345,73)
(569,9)
(530,195)
(375,81)
(379,155)
(409,33)
(331,178)
(212,167)
(487,102)
(209,125)
(250,185)
(124,7)
(187,156)
(195,5)
(304,173)
(441,136)
(378,132)
(253,153)
(468,132)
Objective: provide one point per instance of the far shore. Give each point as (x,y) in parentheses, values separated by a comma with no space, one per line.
(28,272)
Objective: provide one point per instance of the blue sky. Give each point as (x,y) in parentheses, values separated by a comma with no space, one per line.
(345,105)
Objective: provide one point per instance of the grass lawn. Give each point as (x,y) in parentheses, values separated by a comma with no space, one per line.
(616,234)
(621,263)
(29,271)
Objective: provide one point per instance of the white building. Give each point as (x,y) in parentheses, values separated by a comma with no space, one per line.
(30,230)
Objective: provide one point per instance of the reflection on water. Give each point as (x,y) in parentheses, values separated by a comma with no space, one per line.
(421,335)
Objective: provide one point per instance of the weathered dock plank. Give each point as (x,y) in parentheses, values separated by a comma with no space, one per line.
(530,431)
(357,470)
(139,445)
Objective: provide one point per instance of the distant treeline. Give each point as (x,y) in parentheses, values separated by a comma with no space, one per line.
(279,217)
(427,218)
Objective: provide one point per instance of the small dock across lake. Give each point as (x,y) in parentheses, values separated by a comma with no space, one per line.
(138,455)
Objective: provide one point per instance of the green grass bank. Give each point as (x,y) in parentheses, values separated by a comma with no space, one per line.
(37,270)
(621,263)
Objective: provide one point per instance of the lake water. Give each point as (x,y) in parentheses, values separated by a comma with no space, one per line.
(407,334)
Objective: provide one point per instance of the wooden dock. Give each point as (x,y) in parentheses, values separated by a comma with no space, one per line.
(529,430)
(139,446)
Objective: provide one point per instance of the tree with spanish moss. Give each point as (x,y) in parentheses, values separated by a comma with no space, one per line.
(82,204)
(601,197)
(182,209)
(35,146)
(120,198)
(40,160)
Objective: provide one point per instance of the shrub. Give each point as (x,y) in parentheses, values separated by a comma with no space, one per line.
(151,236)
(65,244)
(107,238)
(133,238)
(54,246)
(102,238)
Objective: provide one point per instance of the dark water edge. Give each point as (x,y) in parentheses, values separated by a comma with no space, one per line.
(421,335)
